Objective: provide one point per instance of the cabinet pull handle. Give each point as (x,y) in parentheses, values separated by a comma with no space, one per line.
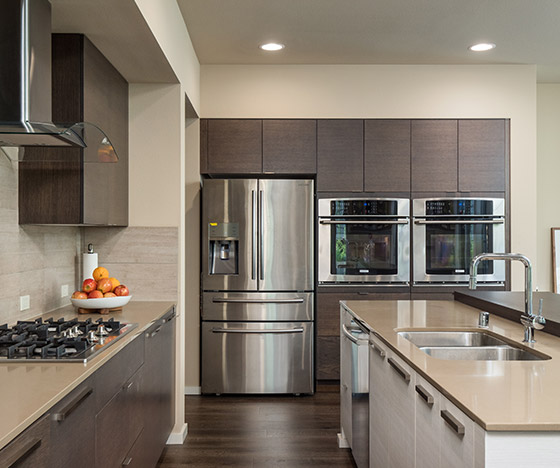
(127,385)
(21,452)
(71,406)
(378,350)
(426,396)
(453,422)
(404,374)
(127,461)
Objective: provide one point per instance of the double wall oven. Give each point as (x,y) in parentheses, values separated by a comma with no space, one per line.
(449,232)
(364,240)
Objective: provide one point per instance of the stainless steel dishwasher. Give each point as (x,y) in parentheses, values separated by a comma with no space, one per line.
(358,336)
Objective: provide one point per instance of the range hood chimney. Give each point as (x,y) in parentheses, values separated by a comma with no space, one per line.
(25,83)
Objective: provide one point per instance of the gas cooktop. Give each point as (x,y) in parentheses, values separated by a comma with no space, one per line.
(59,340)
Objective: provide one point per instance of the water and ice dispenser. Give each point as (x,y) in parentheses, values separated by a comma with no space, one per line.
(223,249)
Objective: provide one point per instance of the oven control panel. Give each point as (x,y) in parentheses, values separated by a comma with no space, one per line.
(363,208)
(459,207)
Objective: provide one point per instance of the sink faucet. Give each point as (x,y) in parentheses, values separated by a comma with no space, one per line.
(528,319)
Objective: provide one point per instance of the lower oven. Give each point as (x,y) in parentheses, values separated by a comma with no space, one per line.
(449,232)
(364,240)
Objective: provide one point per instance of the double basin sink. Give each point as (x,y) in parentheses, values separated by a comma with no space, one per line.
(469,345)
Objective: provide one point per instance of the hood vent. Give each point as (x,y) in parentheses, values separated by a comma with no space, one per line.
(25,81)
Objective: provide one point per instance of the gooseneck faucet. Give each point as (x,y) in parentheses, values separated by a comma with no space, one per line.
(528,319)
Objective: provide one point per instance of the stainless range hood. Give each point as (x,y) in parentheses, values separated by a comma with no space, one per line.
(25,84)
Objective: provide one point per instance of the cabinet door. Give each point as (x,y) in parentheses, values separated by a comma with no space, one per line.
(379,413)
(30,449)
(482,155)
(428,424)
(400,407)
(457,437)
(289,146)
(72,419)
(434,155)
(387,156)
(345,380)
(340,155)
(234,146)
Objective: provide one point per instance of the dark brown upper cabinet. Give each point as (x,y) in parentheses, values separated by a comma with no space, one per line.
(387,156)
(482,155)
(434,155)
(60,185)
(340,155)
(234,146)
(289,146)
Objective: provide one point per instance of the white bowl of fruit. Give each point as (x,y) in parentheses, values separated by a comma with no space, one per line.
(101,292)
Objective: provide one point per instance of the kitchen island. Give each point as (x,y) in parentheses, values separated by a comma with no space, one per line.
(31,390)
(499,408)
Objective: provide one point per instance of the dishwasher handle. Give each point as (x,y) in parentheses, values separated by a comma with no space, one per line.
(257,331)
(348,334)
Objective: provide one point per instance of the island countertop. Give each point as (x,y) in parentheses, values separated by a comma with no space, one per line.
(29,390)
(497,395)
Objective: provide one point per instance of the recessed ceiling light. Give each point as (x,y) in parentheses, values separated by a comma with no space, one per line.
(482,47)
(271,46)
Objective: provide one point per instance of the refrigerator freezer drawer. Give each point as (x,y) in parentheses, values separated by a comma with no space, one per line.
(258,307)
(271,357)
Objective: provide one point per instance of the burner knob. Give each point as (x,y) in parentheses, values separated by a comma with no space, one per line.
(101,330)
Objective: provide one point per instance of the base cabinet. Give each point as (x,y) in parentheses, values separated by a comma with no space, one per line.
(30,449)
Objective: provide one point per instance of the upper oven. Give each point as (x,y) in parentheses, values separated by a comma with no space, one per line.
(449,232)
(364,240)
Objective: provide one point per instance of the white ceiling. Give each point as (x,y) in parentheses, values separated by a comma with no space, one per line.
(377,32)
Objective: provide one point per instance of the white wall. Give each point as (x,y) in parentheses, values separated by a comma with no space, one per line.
(548,175)
(396,91)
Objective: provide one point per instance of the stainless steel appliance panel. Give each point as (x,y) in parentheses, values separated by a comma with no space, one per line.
(232,202)
(258,307)
(285,235)
(389,235)
(488,227)
(252,357)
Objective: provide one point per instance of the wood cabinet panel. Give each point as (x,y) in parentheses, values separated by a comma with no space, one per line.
(203,146)
(234,146)
(387,156)
(328,358)
(379,415)
(289,146)
(72,419)
(30,449)
(340,155)
(434,155)
(482,155)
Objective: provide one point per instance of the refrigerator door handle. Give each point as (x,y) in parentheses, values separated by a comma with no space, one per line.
(257,331)
(254,234)
(261,230)
(224,300)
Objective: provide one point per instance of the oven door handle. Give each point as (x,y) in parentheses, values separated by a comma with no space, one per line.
(466,221)
(332,221)
(220,300)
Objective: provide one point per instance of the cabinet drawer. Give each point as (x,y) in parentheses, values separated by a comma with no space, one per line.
(30,449)
(457,437)
(111,377)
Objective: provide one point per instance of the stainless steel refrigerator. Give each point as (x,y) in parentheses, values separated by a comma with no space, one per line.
(257,281)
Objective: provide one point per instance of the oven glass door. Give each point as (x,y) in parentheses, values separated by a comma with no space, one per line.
(363,248)
(451,246)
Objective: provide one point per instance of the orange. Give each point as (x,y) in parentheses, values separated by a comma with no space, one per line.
(114,282)
(99,273)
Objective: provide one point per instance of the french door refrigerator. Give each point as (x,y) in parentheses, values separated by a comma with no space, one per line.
(257,279)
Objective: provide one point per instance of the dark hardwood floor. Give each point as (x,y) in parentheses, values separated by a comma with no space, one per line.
(261,431)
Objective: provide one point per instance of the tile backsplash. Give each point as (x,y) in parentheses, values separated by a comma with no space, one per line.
(38,260)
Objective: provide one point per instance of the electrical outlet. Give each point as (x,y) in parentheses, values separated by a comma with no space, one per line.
(64,290)
(24,302)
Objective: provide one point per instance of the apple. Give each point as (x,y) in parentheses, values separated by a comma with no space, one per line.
(95,294)
(104,285)
(79,295)
(109,294)
(89,285)
(121,290)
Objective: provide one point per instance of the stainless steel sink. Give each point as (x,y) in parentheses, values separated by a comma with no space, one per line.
(468,345)
(482,353)
(450,338)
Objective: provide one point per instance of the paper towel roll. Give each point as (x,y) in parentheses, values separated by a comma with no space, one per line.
(89,263)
